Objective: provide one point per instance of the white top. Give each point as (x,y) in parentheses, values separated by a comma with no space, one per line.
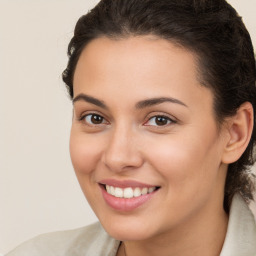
(94,241)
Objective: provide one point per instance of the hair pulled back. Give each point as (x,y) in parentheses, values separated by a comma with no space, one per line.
(212,30)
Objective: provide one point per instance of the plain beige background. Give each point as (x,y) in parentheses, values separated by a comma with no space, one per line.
(38,189)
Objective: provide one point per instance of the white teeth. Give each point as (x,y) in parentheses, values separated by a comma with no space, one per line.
(112,190)
(128,192)
(119,192)
(137,192)
(144,191)
(150,190)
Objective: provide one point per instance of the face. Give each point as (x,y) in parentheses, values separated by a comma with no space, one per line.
(144,141)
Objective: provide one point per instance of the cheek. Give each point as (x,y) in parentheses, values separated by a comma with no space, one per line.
(84,152)
(174,162)
(185,161)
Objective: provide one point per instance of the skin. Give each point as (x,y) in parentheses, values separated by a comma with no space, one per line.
(185,157)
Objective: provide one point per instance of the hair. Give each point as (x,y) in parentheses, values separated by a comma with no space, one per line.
(212,30)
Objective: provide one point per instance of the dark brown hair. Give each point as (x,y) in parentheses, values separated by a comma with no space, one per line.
(212,30)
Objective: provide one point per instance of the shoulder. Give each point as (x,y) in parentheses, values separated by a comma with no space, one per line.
(89,240)
(241,233)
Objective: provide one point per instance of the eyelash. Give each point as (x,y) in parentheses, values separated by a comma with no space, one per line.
(163,117)
(101,122)
(83,119)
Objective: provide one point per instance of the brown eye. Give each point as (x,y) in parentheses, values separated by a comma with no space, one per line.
(159,121)
(94,119)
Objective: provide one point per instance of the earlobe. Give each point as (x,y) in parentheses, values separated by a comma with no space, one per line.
(240,128)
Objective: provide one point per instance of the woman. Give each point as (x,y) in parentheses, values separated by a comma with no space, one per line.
(163,130)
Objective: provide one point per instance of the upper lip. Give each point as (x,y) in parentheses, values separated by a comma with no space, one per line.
(126,183)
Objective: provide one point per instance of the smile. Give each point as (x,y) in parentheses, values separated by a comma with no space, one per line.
(128,192)
(126,196)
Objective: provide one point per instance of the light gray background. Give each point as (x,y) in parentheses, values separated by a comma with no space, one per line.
(38,189)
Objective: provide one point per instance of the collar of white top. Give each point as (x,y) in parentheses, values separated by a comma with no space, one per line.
(241,234)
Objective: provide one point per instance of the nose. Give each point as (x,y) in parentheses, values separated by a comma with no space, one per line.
(122,150)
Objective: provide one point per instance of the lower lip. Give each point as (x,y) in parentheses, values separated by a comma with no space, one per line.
(126,204)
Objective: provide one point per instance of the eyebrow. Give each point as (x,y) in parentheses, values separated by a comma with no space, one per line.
(90,99)
(155,101)
(139,105)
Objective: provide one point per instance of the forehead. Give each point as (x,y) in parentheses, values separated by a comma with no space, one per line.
(141,67)
(137,52)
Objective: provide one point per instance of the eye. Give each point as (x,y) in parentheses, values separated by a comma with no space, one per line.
(94,119)
(159,121)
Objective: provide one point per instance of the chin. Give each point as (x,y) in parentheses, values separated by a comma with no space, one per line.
(128,230)
(128,235)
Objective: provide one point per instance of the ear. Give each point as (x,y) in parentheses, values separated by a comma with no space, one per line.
(239,130)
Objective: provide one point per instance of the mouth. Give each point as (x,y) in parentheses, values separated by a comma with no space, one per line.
(127,195)
(128,192)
